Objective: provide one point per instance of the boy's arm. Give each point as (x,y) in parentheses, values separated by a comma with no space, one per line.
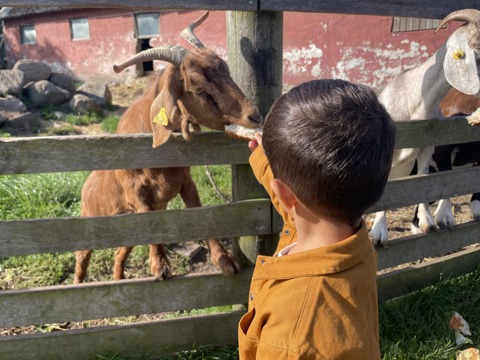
(263,173)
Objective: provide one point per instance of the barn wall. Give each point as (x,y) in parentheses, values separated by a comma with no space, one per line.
(352,47)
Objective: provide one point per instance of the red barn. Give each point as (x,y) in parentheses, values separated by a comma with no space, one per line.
(86,42)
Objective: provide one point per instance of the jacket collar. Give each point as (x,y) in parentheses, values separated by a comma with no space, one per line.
(321,261)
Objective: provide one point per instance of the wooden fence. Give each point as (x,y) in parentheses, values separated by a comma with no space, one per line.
(252,217)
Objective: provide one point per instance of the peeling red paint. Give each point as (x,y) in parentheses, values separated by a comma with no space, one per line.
(357,48)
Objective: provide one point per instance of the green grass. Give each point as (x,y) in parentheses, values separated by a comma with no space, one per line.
(110,123)
(84,119)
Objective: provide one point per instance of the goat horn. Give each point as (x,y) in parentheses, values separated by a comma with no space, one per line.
(188,34)
(169,53)
(468,15)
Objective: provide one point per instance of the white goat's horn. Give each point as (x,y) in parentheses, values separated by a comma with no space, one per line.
(468,15)
(169,53)
(188,34)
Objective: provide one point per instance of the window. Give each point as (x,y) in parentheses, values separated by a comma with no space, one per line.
(401,24)
(28,34)
(80,29)
(147,25)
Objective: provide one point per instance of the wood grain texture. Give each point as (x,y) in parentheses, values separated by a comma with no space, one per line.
(142,4)
(419,276)
(77,153)
(147,338)
(417,247)
(26,237)
(121,298)
(425,188)
(434,9)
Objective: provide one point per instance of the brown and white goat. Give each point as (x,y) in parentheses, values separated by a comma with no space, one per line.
(196,89)
(416,94)
(447,157)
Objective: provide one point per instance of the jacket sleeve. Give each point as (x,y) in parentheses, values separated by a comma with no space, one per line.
(263,173)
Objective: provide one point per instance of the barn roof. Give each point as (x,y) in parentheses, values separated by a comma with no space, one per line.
(15,13)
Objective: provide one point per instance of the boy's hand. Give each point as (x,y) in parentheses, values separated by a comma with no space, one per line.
(253,144)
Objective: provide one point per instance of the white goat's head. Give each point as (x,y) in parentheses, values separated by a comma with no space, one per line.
(463,52)
(197,89)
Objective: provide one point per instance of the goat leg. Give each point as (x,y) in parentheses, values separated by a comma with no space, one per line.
(222,260)
(121,255)
(82,261)
(159,264)
(475,206)
(219,257)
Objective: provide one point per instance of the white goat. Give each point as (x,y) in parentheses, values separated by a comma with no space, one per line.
(416,94)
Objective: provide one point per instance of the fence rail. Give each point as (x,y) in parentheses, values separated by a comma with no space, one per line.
(57,304)
(431,9)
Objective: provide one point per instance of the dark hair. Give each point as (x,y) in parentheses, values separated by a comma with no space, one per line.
(331,142)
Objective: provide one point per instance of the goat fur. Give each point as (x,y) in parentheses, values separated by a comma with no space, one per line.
(416,94)
(197,92)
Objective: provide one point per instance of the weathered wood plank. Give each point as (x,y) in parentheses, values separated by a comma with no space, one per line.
(435,9)
(429,273)
(417,247)
(147,338)
(251,218)
(171,226)
(424,188)
(433,132)
(145,4)
(77,153)
(259,40)
(121,298)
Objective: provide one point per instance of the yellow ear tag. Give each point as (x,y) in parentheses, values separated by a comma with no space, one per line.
(458,54)
(161,117)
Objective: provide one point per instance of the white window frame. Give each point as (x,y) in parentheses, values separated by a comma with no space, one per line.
(404,24)
(28,38)
(80,29)
(142,34)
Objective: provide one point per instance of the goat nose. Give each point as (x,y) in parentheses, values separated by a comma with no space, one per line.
(255,118)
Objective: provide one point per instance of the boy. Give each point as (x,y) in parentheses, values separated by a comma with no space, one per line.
(329,144)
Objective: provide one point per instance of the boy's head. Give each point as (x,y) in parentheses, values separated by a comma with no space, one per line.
(331,142)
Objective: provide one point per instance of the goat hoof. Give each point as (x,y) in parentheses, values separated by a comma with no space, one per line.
(228,266)
(444,226)
(426,228)
(164,274)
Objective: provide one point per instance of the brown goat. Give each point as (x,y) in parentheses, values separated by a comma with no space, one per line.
(456,102)
(196,89)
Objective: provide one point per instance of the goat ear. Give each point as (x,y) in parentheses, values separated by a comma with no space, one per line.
(459,64)
(162,115)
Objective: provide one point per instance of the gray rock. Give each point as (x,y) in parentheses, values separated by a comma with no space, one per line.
(33,70)
(98,91)
(19,124)
(3,119)
(11,82)
(81,104)
(44,93)
(63,81)
(12,104)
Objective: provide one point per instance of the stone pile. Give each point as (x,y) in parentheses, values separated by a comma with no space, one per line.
(31,86)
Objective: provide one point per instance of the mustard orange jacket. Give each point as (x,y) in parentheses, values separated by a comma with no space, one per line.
(316,304)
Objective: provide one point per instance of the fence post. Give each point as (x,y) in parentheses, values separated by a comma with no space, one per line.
(255,47)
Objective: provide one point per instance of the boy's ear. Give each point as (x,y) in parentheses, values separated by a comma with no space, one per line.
(284,194)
